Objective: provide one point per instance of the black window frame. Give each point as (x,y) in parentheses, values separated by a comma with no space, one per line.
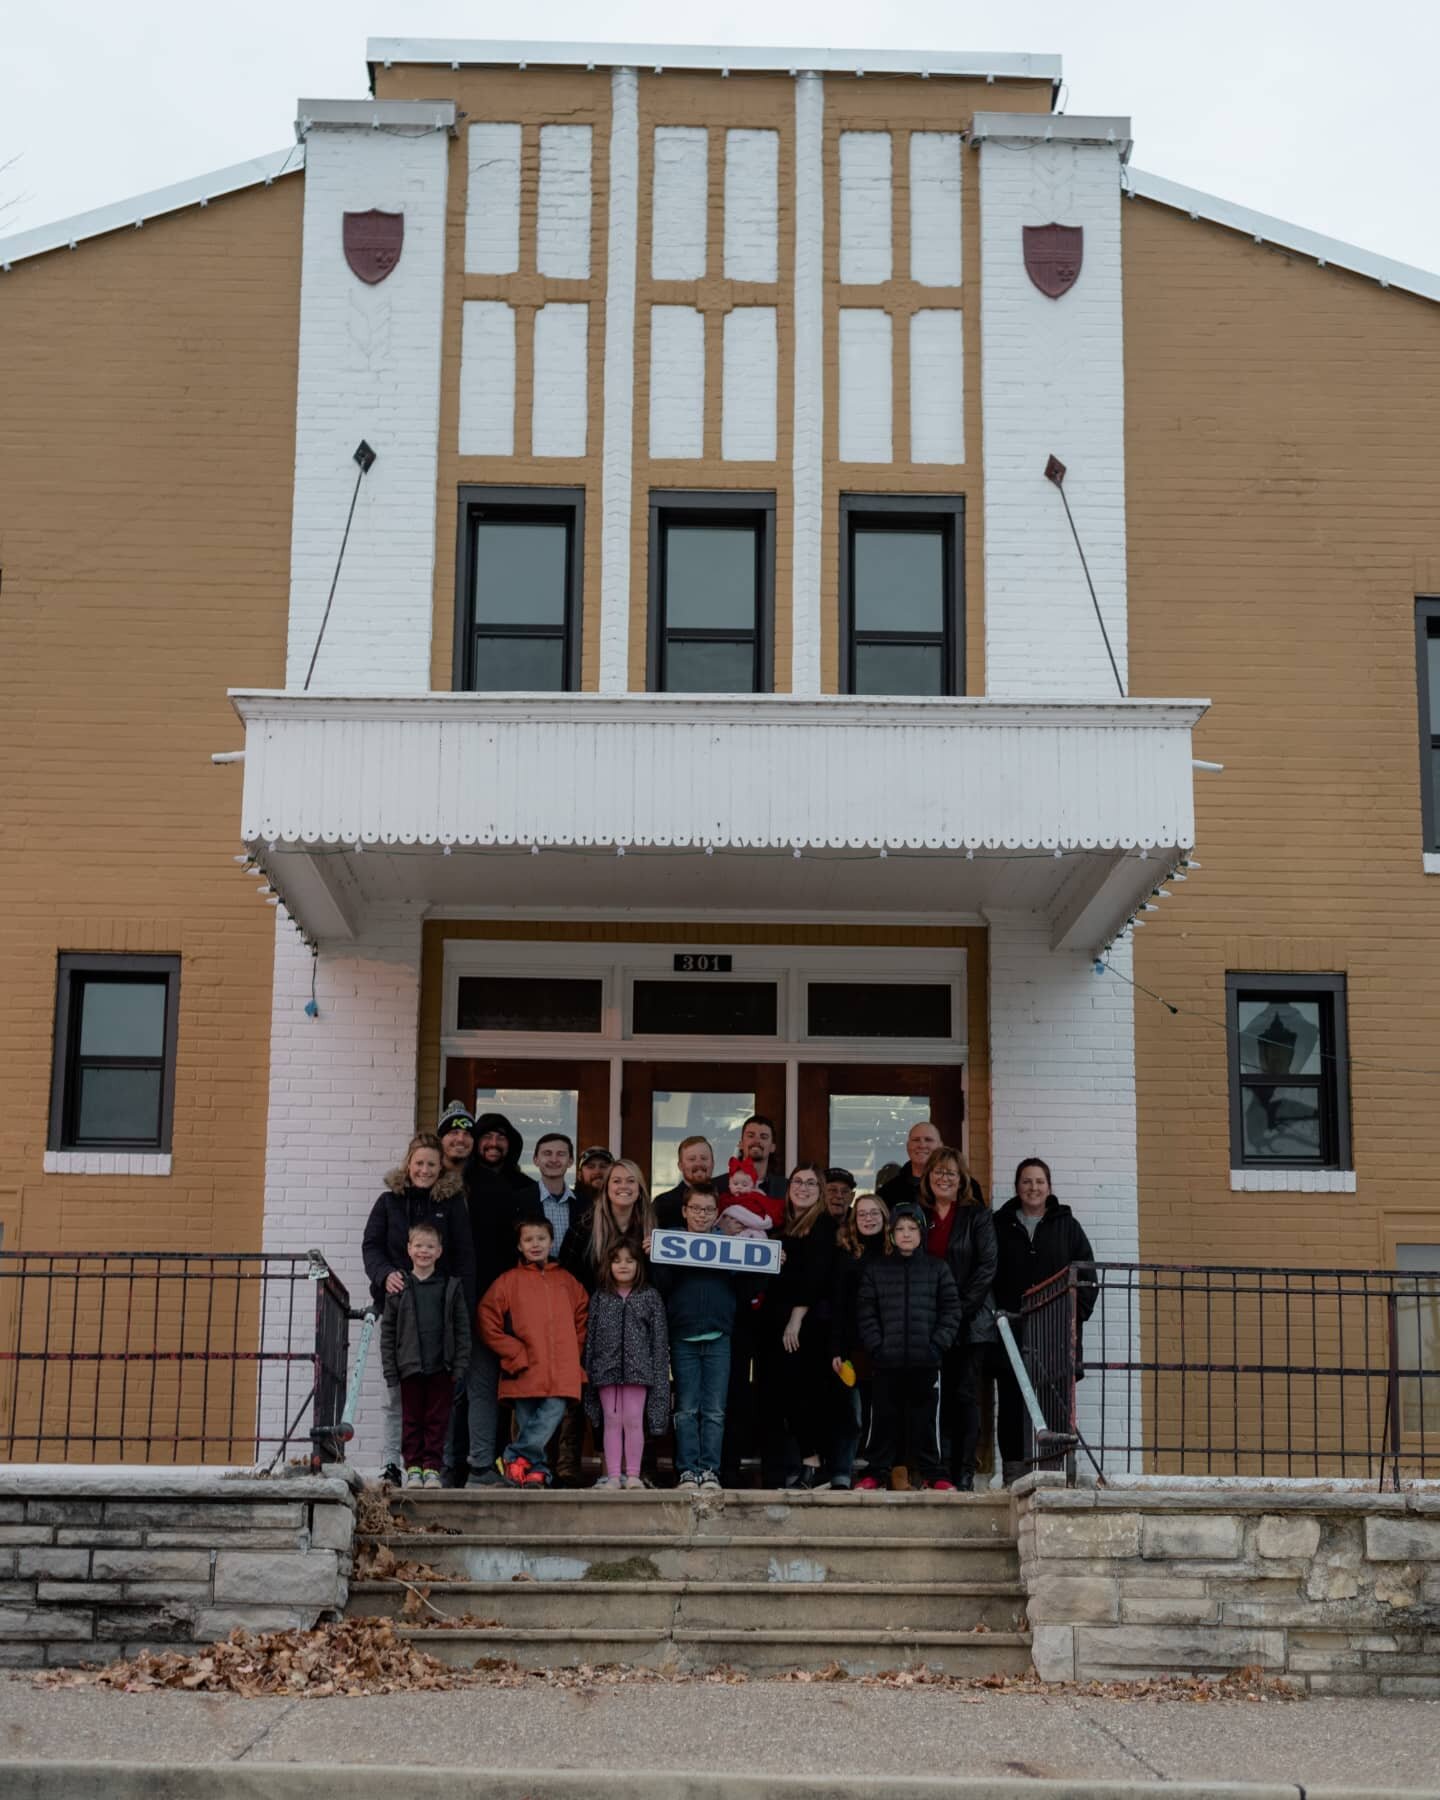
(1333,1081)
(671,506)
(1427,626)
(899,512)
(518,503)
(74,970)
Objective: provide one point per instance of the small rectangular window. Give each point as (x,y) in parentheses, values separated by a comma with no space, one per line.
(1289,1072)
(712,584)
(1427,648)
(901,595)
(711,1008)
(878,1009)
(518,606)
(529,1003)
(113,1080)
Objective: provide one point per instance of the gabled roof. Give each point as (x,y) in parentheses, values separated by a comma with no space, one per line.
(514,53)
(199,190)
(1326,251)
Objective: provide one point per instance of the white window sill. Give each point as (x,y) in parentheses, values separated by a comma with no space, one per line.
(106,1162)
(1431,861)
(1292,1181)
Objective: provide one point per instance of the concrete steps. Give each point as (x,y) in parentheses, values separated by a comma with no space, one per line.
(760,1581)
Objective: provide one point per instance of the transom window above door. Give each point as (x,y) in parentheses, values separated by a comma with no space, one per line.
(712,584)
(901,595)
(517,615)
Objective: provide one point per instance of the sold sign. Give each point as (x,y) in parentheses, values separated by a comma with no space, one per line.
(714,1250)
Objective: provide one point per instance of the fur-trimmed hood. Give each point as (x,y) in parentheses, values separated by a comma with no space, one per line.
(451,1182)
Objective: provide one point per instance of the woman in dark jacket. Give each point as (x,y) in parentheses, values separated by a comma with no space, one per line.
(421,1189)
(962,1233)
(863,1233)
(1036,1237)
(795,1335)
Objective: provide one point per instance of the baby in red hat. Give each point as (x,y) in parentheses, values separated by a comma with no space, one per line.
(755,1213)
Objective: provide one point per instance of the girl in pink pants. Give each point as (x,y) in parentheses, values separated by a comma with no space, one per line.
(627,1365)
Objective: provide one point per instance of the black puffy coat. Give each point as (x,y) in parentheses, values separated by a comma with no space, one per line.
(400,1333)
(908,1310)
(972,1256)
(627,1343)
(387,1230)
(499,1195)
(1024,1261)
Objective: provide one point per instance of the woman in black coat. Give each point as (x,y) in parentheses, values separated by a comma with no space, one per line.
(862,1234)
(1036,1237)
(962,1233)
(795,1336)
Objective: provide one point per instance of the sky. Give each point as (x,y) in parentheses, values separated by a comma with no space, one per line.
(1318,113)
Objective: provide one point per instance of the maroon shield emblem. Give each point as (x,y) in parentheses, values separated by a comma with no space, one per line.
(1053,254)
(372,243)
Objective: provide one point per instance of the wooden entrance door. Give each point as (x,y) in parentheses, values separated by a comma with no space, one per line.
(560,1094)
(884,1099)
(700,1100)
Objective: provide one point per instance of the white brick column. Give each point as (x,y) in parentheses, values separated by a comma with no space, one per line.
(369,368)
(342,1100)
(1052,381)
(1062,1085)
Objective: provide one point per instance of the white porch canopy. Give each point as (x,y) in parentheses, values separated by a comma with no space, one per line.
(768,805)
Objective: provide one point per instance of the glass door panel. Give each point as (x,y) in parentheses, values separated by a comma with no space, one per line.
(677,1116)
(856,1115)
(536,1096)
(869,1130)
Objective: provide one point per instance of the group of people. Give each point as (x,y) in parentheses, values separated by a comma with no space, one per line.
(502,1296)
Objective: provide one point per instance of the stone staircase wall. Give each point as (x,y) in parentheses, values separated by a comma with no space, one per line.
(101,1562)
(1330,1585)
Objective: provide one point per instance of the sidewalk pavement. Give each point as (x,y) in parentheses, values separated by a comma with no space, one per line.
(848,1738)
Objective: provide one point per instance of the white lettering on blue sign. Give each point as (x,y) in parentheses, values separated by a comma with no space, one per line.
(712,1250)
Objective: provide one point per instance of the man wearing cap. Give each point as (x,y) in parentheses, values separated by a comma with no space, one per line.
(590,1173)
(839,1192)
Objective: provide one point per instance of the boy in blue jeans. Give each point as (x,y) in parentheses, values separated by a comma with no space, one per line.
(700,1306)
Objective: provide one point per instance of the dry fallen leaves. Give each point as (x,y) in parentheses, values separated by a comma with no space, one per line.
(351,1657)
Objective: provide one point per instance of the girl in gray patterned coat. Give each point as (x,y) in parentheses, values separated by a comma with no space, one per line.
(627,1360)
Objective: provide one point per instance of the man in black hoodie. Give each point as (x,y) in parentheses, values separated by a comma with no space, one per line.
(498,1195)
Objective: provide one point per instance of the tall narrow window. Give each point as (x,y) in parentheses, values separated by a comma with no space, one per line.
(1427,645)
(1289,1087)
(711,591)
(518,612)
(113,1086)
(901,595)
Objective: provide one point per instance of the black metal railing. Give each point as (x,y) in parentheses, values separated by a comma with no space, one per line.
(1164,1368)
(162,1356)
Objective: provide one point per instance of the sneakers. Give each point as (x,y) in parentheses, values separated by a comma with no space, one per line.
(536,1478)
(516,1471)
(607,1481)
(941,1487)
(486,1477)
(415,1476)
(431,1479)
(632,1481)
(966,1482)
(391,1474)
(841,1483)
(689,1483)
(710,1483)
(867,1484)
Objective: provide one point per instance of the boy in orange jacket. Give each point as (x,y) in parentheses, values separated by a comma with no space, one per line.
(533,1318)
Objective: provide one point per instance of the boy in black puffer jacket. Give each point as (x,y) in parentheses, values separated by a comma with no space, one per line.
(909,1314)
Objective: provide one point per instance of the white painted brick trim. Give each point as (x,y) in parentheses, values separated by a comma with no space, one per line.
(1292,1181)
(1430,862)
(106,1162)
(617,455)
(808,431)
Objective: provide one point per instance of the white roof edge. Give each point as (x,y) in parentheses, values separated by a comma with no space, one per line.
(763,59)
(199,190)
(1280,232)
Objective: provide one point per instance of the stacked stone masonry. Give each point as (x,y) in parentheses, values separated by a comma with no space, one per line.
(96,1564)
(1334,1589)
